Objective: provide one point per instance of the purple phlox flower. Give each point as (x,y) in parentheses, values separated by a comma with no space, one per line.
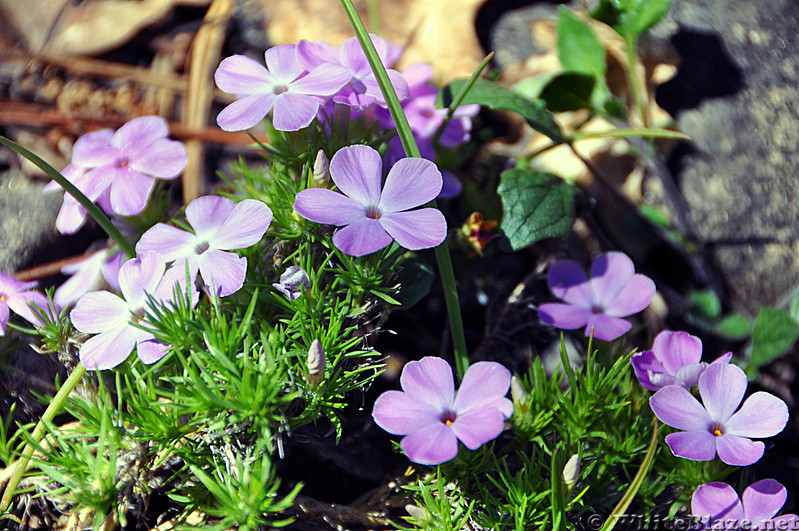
(717,506)
(361,89)
(292,92)
(433,418)
(116,169)
(114,318)
(716,426)
(614,291)
(675,359)
(371,218)
(219,225)
(292,282)
(88,275)
(16,296)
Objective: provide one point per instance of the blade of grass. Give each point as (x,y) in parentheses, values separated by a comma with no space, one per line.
(93,210)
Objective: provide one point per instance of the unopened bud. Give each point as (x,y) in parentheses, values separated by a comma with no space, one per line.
(321,170)
(316,363)
(517,392)
(571,471)
(293,280)
(420,514)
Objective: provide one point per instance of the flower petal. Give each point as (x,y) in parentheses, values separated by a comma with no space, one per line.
(138,134)
(567,282)
(431,445)
(223,272)
(451,186)
(9,284)
(610,273)
(633,298)
(4,316)
(176,276)
(761,415)
(693,445)
(312,54)
(644,365)
(168,241)
(71,217)
(138,276)
(243,227)
(207,214)
(400,414)
(326,206)
(241,75)
(564,315)
(716,501)
(763,499)
(324,80)
(149,350)
(282,63)
(722,388)
(676,350)
(689,375)
(739,451)
(416,229)
(292,111)
(429,380)
(477,427)
(32,306)
(109,349)
(99,311)
(164,159)
(411,182)
(94,149)
(677,407)
(357,171)
(130,191)
(483,383)
(246,112)
(362,237)
(605,327)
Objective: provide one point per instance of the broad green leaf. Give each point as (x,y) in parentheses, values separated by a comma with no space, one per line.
(415,280)
(497,97)
(773,333)
(535,205)
(706,304)
(794,309)
(630,18)
(579,49)
(568,92)
(734,326)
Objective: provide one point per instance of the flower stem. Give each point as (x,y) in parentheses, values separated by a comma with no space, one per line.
(412,150)
(52,410)
(93,210)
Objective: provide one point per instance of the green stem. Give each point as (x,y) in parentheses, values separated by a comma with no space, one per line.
(93,210)
(636,94)
(412,150)
(614,133)
(21,465)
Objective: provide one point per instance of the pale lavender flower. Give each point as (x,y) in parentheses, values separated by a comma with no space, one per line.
(113,318)
(88,275)
(371,218)
(675,358)
(16,296)
(116,169)
(292,282)
(716,426)
(614,291)
(433,418)
(285,87)
(717,506)
(361,89)
(219,225)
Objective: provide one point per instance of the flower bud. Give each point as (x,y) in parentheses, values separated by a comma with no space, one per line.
(293,280)
(321,170)
(420,514)
(517,391)
(571,471)
(316,363)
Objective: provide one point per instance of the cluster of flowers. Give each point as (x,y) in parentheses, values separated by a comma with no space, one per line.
(672,368)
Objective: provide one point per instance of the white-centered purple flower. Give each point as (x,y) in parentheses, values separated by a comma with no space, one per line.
(717,506)
(361,89)
(370,217)
(599,303)
(716,426)
(114,318)
(220,225)
(292,92)
(433,418)
(675,359)
(88,275)
(116,169)
(17,296)
(292,282)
